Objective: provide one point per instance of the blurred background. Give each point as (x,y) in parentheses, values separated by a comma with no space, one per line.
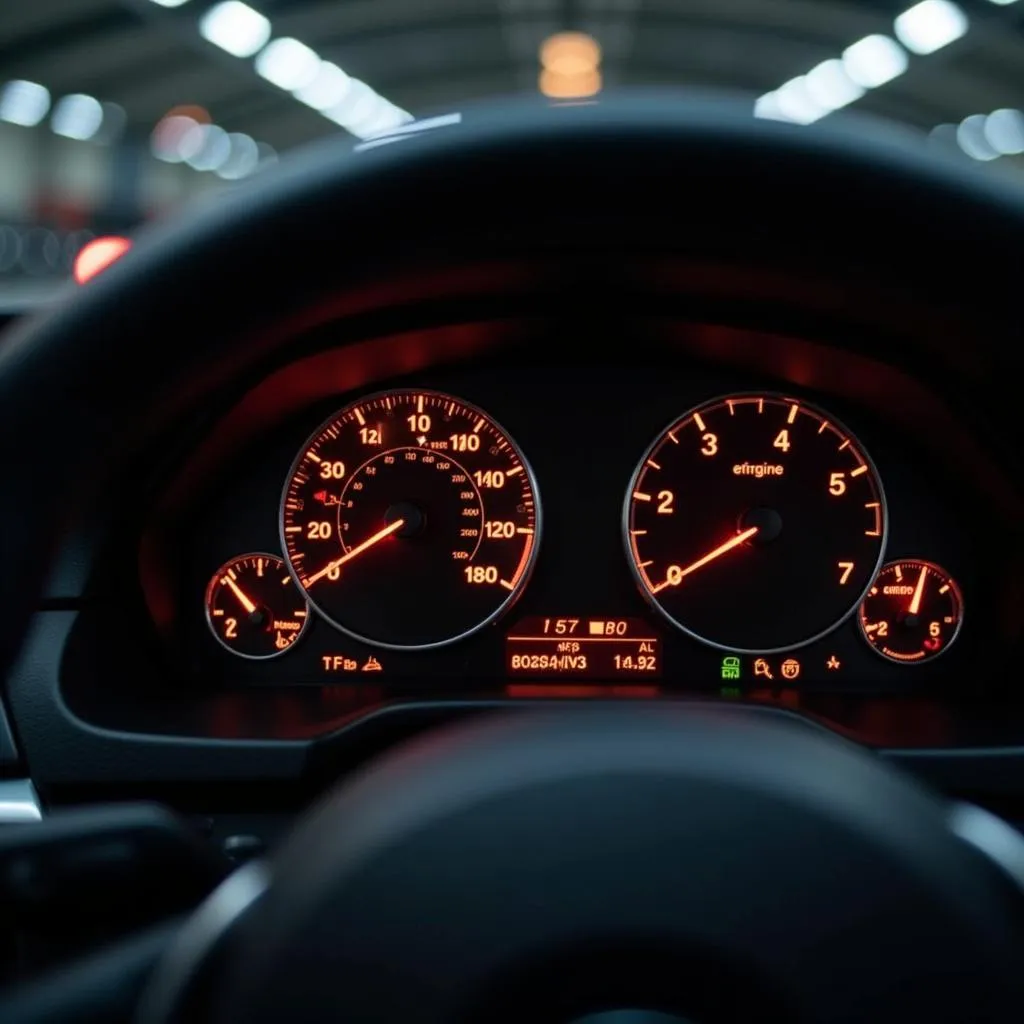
(113,112)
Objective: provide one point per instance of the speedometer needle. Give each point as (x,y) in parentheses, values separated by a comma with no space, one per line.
(240,594)
(675,576)
(357,550)
(915,601)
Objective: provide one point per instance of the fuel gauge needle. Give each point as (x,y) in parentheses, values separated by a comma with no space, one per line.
(675,578)
(240,594)
(357,550)
(915,601)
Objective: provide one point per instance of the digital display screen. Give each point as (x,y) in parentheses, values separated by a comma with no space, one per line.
(583,648)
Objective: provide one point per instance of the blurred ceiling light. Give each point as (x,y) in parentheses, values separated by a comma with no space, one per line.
(570,87)
(97,255)
(767,106)
(213,150)
(366,113)
(243,158)
(327,89)
(168,136)
(570,53)
(386,118)
(235,27)
(77,117)
(1003,3)
(358,104)
(874,60)
(796,103)
(191,142)
(24,103)
(288,64)
(970,135)
(170,3)
(830,86)
(570,63)
(930,25)
(1004,131)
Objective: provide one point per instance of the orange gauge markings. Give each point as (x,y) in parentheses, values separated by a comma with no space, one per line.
(912,612)
(253,607)
(755,523)
(410,520)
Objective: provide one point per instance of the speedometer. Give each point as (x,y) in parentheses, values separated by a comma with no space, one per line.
(755,523)
(410,520)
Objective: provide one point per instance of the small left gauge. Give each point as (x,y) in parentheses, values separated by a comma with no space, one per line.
(253,607)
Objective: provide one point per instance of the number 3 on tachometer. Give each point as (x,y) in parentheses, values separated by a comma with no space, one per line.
(410,520)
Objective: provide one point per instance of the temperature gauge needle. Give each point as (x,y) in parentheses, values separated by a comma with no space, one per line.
(357,550)
(240,594)
(915,601)
(675,576)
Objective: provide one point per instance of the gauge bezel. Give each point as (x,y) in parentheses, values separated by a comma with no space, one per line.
(948,576)
(209,619)
(527,572)
(659,438)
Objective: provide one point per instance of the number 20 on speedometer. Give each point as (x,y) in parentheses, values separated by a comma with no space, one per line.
(755,523)
(410,520)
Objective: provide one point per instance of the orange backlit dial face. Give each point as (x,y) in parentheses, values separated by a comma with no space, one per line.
(254,608)
(913,611)
(410,519)
(755,523)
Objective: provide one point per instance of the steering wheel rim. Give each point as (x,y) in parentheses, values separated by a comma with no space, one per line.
(716,866)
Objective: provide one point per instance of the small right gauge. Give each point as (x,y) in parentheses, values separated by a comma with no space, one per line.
(912,613)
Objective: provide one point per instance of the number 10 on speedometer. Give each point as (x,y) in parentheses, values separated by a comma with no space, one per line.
(410,520)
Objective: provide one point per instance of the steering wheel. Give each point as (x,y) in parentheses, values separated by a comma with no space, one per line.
(669,863)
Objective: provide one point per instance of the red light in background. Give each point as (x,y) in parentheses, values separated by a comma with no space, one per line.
(97,255)
(198,114)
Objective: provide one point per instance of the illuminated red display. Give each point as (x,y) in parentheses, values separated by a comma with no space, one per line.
(584,648)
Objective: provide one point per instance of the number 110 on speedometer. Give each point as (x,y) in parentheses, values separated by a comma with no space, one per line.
(410,520)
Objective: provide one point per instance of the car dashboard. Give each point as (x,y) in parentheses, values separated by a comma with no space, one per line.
(430,511)
(560,602)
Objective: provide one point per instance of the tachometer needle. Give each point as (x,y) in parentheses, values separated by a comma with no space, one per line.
(675,576)
(240,594)
(915,601)
(357,550)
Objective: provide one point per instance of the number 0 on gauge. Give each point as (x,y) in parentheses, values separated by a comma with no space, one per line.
(755,523)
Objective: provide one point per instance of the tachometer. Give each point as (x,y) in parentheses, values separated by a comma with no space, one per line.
(410,520)
(755,523)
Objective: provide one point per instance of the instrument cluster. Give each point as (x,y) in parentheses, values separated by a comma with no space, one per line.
(642,532)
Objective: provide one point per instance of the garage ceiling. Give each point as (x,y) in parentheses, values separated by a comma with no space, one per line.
(432,55)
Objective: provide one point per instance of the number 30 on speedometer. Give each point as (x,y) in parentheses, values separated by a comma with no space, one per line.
(410,520)
(755,523)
